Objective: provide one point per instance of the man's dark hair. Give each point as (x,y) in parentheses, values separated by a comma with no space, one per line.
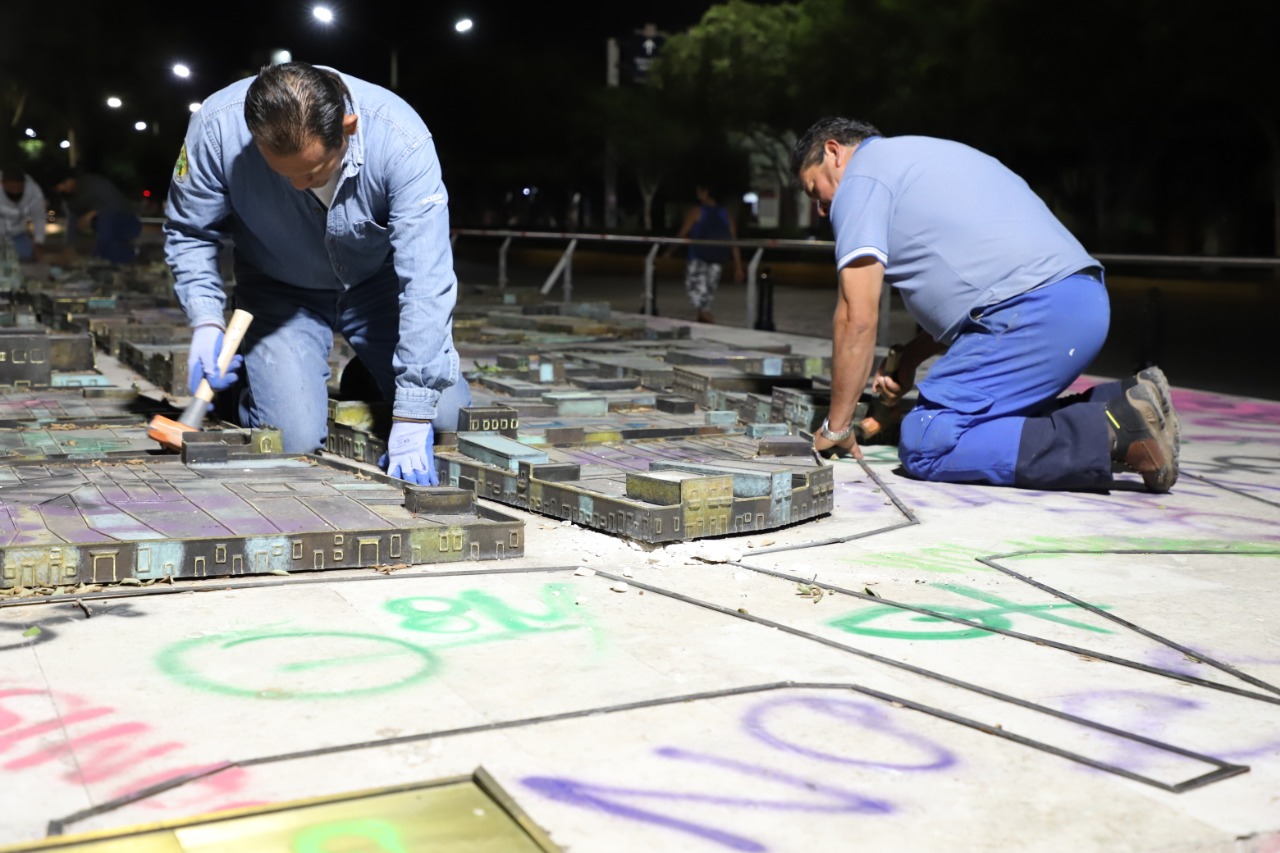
(61,175)
(13,163)
(291,105)
(713,190)
(808,149)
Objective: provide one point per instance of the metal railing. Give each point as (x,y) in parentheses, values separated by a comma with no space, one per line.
(563,269)
(756,318)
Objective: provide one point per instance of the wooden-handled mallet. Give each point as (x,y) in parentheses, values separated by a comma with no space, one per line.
(169,432)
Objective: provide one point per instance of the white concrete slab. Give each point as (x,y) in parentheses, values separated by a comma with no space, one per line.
(681,711)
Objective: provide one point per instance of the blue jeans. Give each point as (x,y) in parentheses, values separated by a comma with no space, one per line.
(116,232)
(286,351)
(989,409)
(24,247)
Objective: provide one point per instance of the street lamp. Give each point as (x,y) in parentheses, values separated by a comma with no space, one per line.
(464,25)
(325,15)
(180,70)
(114,102)
(139,125)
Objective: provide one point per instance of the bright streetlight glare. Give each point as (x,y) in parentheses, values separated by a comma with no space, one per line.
(463,25)
(181,70)
(31,133)
(323,14)
(280,57)
(114,102)
(139,125)
(194,106)
(66,143)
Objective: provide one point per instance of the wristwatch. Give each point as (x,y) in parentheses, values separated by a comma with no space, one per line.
(827,433)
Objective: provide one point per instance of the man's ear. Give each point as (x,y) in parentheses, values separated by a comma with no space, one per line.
(349,124)
(835,149)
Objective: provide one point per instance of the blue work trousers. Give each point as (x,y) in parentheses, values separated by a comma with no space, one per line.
(990,410)
(287,346)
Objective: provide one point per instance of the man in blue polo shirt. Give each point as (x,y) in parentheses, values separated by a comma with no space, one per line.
(998,283)
(330,191)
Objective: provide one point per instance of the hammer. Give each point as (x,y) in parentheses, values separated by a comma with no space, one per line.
(169,432)
(882,418)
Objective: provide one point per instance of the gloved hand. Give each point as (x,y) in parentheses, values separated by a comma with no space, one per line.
(410,453)
(202,360)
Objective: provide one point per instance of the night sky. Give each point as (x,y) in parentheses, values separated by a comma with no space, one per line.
(519,100)
(519,70)
(364,33)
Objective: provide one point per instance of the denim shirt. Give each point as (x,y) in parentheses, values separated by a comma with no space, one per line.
(388,226)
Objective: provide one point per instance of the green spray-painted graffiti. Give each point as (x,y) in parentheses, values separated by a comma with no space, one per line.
(963,558)
(480,617)
(297,664)
(370,835)
(999,615)
(463,615)
(277,664)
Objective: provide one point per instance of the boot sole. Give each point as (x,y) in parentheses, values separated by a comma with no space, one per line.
(1160,447)
(1155,378)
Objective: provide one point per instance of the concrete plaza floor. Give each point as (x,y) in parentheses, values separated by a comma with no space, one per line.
(931,667)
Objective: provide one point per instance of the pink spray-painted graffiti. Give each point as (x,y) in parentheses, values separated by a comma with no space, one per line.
(1205,407)
(94,746)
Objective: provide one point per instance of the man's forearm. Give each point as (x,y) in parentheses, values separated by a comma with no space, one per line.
(852,355)
(853,338)
(192,255)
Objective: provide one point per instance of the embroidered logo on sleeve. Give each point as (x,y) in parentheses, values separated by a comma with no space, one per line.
(433,199)
(180,167)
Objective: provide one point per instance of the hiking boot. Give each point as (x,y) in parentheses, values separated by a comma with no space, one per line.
(1142,438)
(1154,377)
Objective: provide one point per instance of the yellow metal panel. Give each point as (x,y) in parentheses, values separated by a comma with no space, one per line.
(470,813)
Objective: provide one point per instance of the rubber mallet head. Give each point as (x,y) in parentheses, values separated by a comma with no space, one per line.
(169,432)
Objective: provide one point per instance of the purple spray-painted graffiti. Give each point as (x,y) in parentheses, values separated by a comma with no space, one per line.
(780,724)
(1154,714)
(1156,515)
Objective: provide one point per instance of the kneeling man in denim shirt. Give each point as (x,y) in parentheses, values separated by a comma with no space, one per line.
(329,189)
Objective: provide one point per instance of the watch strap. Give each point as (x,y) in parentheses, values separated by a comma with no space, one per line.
(831,435)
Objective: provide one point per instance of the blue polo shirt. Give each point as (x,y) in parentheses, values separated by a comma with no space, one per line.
(954,228)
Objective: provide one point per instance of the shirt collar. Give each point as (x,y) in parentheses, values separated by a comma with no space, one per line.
(354,158)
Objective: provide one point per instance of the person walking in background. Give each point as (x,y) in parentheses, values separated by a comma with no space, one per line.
(708,220)
(994,279)
(24,214)
(330,190)
(94,204)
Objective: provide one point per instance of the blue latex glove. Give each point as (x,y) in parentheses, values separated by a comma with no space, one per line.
(410,453)
(202,360)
